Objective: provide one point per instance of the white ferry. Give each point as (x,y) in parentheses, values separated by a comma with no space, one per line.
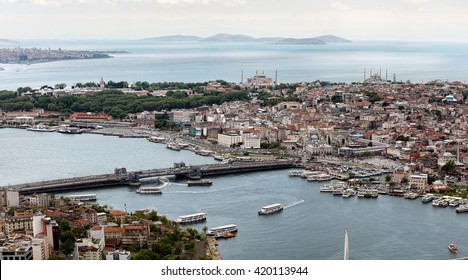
(149,190)
(320,177)
(192,218)
(218,232)
(296,173)
(82,197)
(270,209)
(326,188)
(41,128)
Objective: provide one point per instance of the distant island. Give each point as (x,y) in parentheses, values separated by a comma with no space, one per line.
(230,38)
(36,55)
(7,42)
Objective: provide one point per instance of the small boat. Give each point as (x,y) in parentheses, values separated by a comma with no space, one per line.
(201,182)
(173,146)
(229,235)
(453,248)
(462,208)
(270,209)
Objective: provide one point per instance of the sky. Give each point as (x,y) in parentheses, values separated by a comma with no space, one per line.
(417,20)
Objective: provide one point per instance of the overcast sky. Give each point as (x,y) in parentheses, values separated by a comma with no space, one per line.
(422,20)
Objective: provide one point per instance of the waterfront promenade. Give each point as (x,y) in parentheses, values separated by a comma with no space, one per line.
(122,177)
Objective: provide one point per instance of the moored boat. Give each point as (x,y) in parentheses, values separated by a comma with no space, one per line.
(462,208)
(219,232)
(427,198)
(192,218)
(41,128)
(270,209)
(326,188)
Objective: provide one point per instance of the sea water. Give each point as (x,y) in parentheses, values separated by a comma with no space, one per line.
(204,61)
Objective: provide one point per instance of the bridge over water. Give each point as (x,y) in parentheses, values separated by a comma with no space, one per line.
(122,177)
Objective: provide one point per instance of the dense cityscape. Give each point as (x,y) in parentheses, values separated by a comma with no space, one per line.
(413,136)
(20,55)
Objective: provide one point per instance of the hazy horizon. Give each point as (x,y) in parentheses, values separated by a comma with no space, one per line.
(400,20)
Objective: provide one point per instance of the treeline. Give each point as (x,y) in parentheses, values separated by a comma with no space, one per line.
(115,102)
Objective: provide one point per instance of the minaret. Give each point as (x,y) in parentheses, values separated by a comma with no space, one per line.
(276,77)
(380,73)
(364,74)
(394,77)
(242,76)
(386,74)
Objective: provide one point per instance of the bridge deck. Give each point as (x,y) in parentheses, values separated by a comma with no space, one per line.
(105,180)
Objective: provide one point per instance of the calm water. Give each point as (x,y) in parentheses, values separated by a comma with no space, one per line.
(200,62)
(310,228)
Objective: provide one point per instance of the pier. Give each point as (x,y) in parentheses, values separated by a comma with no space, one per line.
(122,177)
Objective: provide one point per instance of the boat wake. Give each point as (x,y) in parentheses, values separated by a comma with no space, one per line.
(294,203)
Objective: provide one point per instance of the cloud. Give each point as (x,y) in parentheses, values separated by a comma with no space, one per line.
(340,6)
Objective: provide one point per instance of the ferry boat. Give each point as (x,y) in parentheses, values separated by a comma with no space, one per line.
(149,190)
(82,197)
(41,128)
(427,198)
(192,218)
(453,248)
(69,130)
(462,208)
(219,232)
(454,202)
(374,193)
(361,193)
(320,177)
(326,188)
(295,173)
(348,193)
(410,195)
(201,182)
(173,146)
(270,209)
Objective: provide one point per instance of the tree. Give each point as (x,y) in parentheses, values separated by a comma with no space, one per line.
(11,211)
(388,178)
(404,180)
(449,166)
(68,246)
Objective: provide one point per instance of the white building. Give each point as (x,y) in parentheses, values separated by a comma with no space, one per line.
(228,140)
(12,198)
(40,200)
(101,217)
(251,142)
(19,223)
(89,249)
(21,250)
(418,182)
(40,249)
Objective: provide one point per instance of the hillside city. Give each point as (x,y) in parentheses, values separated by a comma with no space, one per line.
(414,135)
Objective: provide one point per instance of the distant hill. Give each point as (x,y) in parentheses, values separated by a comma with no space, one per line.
(223,37)
(7,42)
(332,39)
(232,38)
(175,38)
(306,41)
